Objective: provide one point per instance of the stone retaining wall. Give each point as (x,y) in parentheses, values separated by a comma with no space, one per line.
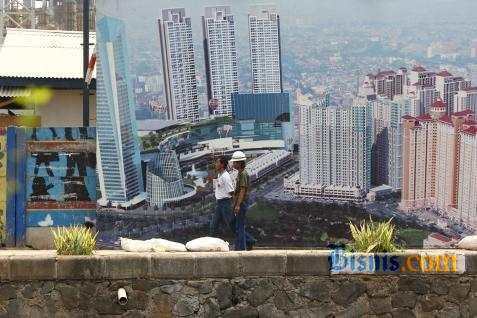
(235,284)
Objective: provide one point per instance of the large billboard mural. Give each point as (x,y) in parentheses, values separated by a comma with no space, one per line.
(284,125)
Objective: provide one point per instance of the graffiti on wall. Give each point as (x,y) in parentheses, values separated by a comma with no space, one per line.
(60,176)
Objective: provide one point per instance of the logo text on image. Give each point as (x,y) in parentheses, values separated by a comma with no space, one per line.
(362,263)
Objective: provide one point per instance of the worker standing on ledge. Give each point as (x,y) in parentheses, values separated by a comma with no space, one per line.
(243,240)
(223,188)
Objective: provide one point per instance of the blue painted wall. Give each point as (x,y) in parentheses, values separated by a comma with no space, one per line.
(49,187)
(42,218)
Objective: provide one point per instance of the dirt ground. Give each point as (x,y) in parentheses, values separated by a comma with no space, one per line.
(305,225)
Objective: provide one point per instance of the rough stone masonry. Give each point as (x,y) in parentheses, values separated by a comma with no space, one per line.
(235,284)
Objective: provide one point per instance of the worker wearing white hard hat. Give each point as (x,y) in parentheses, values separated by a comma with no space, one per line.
(238,156)
(223,189)
(243,240)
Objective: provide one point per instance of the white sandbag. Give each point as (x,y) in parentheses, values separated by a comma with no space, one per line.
(135,245)
(161,245)
(208,244)
(468,243)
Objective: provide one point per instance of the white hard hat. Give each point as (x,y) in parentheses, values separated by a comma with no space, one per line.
(238,156)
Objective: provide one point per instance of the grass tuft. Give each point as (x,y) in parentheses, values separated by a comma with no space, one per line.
(74,240)
(373,237)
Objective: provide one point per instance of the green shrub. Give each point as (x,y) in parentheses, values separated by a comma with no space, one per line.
(373,237)
(74,240)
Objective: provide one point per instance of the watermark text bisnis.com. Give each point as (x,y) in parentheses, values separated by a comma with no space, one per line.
(343,262)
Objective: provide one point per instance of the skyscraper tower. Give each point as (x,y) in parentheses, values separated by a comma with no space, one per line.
(118,152)
(448,87)
(177,48)
(265,49)
(439,163)
(220,58)
(335,150)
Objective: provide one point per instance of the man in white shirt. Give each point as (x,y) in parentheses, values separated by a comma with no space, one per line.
(223,188)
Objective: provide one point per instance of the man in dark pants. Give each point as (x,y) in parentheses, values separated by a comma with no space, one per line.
(243,240)
(223,188)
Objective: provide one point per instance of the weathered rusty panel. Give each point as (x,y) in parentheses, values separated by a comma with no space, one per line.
(52,205)
(54,173)
(61,146)
(61,168)
(60,176)
(24,121)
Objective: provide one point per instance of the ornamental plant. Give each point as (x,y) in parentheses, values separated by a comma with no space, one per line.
(373,237)
(74,240)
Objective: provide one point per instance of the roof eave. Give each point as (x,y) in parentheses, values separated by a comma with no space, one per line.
(54,83)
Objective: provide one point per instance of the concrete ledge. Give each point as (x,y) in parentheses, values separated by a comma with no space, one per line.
(173,265)
(80,267)
(24,265)
(307,263)
(33,267)
(123,266)
(263,263)
(224,265)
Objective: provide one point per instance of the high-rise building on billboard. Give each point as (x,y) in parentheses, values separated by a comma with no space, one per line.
(335,151)
(466,99)
(389,83)
(178,62)
(439,163)
(119,164)
(448,86)
(164,179)
(394,94)
(387,141)
(263,116)
(220,58)
(265,49)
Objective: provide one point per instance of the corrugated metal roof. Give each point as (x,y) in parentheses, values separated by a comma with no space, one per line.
(43,54)
(13,92)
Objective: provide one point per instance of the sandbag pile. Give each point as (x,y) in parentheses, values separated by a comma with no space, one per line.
(135,245)
(152,245)
(202,244)
(468,243)
(207,244)
(161,245)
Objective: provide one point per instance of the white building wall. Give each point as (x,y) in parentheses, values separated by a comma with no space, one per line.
(335,149)
(178,59)
(265,55)
(467,195)
(466,100)
(221,57)
(444,165)
(419,170)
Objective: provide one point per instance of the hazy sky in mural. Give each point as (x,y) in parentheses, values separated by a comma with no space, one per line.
(306,26)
